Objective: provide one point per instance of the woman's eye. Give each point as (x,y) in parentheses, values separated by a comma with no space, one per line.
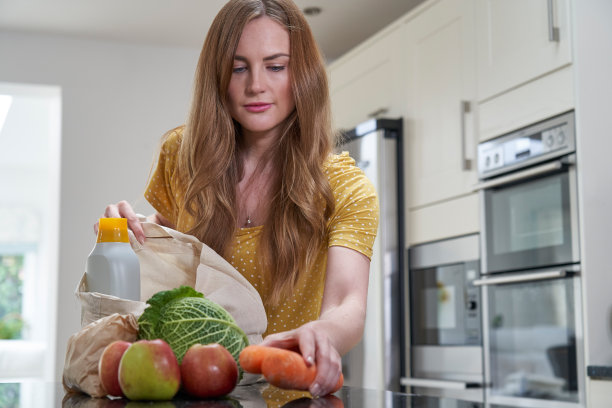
(276,68)
(237,70)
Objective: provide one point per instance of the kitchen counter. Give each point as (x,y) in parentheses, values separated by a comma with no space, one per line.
(52,395)
(600,372)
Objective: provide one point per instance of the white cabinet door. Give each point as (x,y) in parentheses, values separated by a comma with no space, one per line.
(453,218)
(520,40)
(440,134)
(364,84)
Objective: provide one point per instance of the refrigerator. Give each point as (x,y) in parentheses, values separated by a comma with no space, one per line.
(377,360)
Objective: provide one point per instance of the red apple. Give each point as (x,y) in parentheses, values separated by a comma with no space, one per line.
(208,371)
(149,371)
(108,367)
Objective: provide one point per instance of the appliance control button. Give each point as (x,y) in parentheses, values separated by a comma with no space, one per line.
(550,140)
(561,137)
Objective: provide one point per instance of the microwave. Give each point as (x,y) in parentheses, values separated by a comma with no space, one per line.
(444,354)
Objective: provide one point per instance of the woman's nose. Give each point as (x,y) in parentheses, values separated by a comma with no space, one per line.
(256,82)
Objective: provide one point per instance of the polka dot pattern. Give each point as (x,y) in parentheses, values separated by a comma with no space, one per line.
(353,224)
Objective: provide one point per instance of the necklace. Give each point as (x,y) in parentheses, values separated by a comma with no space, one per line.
(248,221)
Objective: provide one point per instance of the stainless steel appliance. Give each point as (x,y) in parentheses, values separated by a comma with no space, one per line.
(376,146)
(445,319)
(532,332)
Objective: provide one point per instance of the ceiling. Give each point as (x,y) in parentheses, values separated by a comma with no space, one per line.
(340,26)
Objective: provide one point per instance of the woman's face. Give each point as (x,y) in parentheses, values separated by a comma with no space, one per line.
(259,92)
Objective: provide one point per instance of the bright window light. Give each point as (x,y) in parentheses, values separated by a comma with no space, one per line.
(5,105)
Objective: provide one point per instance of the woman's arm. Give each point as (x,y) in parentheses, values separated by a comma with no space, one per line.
(340,325)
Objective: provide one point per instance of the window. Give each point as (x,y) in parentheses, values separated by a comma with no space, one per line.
(30,117)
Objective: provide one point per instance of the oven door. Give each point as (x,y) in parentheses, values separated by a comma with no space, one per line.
(444,305)
(533,337)
(530,218)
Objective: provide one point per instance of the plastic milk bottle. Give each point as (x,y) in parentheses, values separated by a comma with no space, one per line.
(112,266)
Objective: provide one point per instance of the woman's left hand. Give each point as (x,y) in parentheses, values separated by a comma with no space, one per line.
(316,348)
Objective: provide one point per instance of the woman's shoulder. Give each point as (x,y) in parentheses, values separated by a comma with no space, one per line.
(341,170)
(171,141)
(339,161)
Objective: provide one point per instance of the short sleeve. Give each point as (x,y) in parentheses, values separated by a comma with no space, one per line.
(354,223)
(162,192)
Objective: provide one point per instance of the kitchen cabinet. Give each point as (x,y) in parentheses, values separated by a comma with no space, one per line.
(520,40)
(452,218)
(422,68)
(364,82)
(532,102)
(440,139)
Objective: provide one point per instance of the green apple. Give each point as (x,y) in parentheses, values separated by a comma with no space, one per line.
(149,371)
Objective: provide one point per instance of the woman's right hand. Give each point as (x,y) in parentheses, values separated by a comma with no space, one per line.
(123,209)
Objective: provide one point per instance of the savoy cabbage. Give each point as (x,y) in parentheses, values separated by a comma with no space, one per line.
(183,317)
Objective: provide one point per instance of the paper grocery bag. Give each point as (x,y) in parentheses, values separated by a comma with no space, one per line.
(168,259)
(85,348)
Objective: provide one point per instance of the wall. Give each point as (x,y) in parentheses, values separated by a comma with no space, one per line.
(592,45)
(117,101)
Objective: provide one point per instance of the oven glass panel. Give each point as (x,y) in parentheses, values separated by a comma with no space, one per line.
(532,339)
(529,224)
(445,309)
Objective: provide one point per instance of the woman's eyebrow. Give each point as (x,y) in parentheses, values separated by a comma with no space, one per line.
(271,57)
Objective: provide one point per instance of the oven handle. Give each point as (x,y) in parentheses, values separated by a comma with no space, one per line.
(443,384)
(524,277)
(525,174)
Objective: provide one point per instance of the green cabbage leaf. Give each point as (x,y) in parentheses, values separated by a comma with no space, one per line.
(183,317)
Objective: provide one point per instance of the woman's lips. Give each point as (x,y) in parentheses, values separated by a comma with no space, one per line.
(257,107)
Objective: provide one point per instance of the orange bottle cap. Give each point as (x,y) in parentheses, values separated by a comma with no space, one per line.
(113,230)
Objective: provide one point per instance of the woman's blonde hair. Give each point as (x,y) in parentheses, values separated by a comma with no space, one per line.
(301,200)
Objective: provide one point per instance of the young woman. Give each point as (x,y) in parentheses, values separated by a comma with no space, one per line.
(251,174)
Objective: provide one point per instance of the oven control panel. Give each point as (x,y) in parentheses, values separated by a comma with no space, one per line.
(536,143)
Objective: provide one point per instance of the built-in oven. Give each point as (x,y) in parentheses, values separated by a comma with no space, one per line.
(444,319)
(532,315)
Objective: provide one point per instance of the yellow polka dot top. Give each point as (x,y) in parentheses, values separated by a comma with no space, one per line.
(353,224)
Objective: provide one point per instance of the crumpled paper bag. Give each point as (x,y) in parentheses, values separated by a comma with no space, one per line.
(86,347)
(168,259)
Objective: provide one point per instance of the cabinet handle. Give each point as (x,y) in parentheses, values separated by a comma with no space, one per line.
(378,112)
(466,164)
(553,32)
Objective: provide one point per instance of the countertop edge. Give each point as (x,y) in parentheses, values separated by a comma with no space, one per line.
(598,372)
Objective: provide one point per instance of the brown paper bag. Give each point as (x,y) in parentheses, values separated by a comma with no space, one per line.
(85,348)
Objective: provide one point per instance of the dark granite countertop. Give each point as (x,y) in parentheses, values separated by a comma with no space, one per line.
(253,396)
(599,372)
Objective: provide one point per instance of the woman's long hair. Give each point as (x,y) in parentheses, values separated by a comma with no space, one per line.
(301,200)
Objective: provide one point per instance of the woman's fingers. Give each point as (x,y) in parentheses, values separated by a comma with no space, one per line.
(126,211)
(123,209)
(329,367)
(316,348)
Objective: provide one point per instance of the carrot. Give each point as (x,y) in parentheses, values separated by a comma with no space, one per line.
(288,370)
(252,356)
(281,368)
